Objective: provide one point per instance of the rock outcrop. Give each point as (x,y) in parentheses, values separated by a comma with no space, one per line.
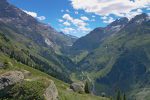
(51,92)
(78,87)
(10,78)
(1,65)
(26,73)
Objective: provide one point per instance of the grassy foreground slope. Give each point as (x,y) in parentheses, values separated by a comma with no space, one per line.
(39,81)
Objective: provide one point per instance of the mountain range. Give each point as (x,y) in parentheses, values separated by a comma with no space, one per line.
(112,58)
(120,57)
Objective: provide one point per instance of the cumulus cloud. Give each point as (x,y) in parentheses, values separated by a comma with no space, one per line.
(66,24)
(41,17)
(131,14)
(76,12)
(68,30)
(85,18)
(67,17)
(93,16)
(35,15)
(79,24)
(108,20)
(74,21)
(60,20)
(67,11)
(104,17)
(108,7)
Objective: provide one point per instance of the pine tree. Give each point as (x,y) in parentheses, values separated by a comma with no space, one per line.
(87,89)
(6,64)
(124,96)
(118,95)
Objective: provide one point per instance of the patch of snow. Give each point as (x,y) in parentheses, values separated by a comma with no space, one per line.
(48,42)
(139,21)
(116,28)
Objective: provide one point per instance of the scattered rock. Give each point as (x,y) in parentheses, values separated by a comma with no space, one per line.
(26,73)
(1,65)
(77,87)
(69,90)
(51,92)
(10,78)
(103,94)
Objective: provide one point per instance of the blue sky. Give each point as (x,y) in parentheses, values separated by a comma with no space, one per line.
(79,17)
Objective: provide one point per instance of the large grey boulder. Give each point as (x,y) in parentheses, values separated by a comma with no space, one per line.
(10,78)
(51,93)
(78,87)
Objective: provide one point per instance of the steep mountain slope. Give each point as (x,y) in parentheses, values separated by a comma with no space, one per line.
(21,23)
(35,43)
(122,60)
(88,43)
(98,35)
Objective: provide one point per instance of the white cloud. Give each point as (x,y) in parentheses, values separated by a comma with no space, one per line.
(85,18)
(80,26)
(108,7)
(139,11)
(35,15)
(60,20)
(84,29)
(108,20)
(131,14)
(76,12)
(79,22)
(104,17)
(68,30)
(93,16)
(74,21)
(67,11)
(66,24)
(67,17)
(62,11)
(41,17)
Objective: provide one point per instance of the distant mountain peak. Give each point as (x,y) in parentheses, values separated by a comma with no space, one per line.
(121,21)
(140,18)
(143,15)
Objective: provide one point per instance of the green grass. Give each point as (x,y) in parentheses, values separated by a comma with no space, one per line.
(74,96)
(40,80)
